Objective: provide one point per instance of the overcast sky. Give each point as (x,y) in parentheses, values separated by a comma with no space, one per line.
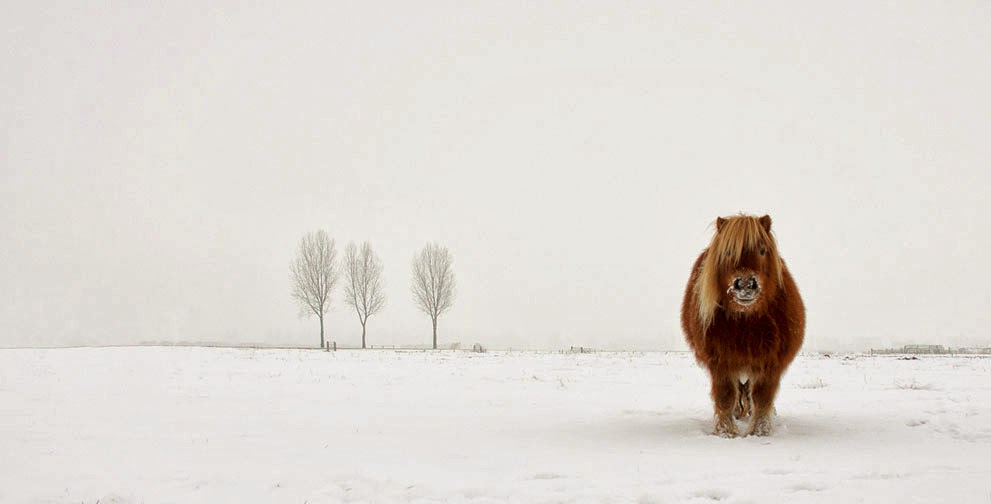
(159,164)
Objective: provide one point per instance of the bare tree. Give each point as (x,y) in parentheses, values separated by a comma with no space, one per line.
(363,283)
(313,273)
(433,282)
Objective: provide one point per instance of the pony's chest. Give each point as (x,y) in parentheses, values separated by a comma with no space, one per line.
(744,332)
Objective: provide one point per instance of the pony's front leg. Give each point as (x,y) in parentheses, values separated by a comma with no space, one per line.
(762,394)
(724,391)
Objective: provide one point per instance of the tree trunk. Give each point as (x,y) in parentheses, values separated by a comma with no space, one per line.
(322,344)
(435,334)
(363,335)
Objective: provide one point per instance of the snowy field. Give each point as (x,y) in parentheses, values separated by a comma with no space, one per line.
(150,425)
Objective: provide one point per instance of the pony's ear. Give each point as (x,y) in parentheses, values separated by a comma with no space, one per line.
(766,222)
(719,223)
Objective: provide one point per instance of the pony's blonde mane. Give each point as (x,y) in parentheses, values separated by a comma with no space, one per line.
(734,236)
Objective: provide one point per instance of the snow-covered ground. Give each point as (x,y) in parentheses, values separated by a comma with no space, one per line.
(149,425)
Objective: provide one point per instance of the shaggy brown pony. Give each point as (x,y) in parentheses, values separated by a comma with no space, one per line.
(744,319)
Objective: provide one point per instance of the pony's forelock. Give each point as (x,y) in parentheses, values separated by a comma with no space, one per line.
(734,236)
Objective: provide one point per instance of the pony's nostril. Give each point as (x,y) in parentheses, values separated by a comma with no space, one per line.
(752,284)
(736,283)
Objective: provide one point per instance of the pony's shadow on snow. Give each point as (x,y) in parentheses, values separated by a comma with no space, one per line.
(639,427)
(810,427)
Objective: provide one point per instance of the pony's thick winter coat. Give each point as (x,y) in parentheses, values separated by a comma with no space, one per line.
(745,341)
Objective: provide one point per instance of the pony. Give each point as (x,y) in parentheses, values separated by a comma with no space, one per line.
(744,320)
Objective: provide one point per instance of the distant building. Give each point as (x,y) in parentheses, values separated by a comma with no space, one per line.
(925,349)
(915,350)
(974,350)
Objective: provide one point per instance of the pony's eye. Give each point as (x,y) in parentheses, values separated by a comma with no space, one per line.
(762,250)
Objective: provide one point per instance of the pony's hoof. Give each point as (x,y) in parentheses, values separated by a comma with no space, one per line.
(726,429)
(759,426)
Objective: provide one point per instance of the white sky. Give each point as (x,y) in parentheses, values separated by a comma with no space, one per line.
(160,163)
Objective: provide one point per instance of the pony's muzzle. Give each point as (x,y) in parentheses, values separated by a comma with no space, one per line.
(745,288)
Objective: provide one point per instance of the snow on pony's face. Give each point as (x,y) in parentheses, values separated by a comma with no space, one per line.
(745,285)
